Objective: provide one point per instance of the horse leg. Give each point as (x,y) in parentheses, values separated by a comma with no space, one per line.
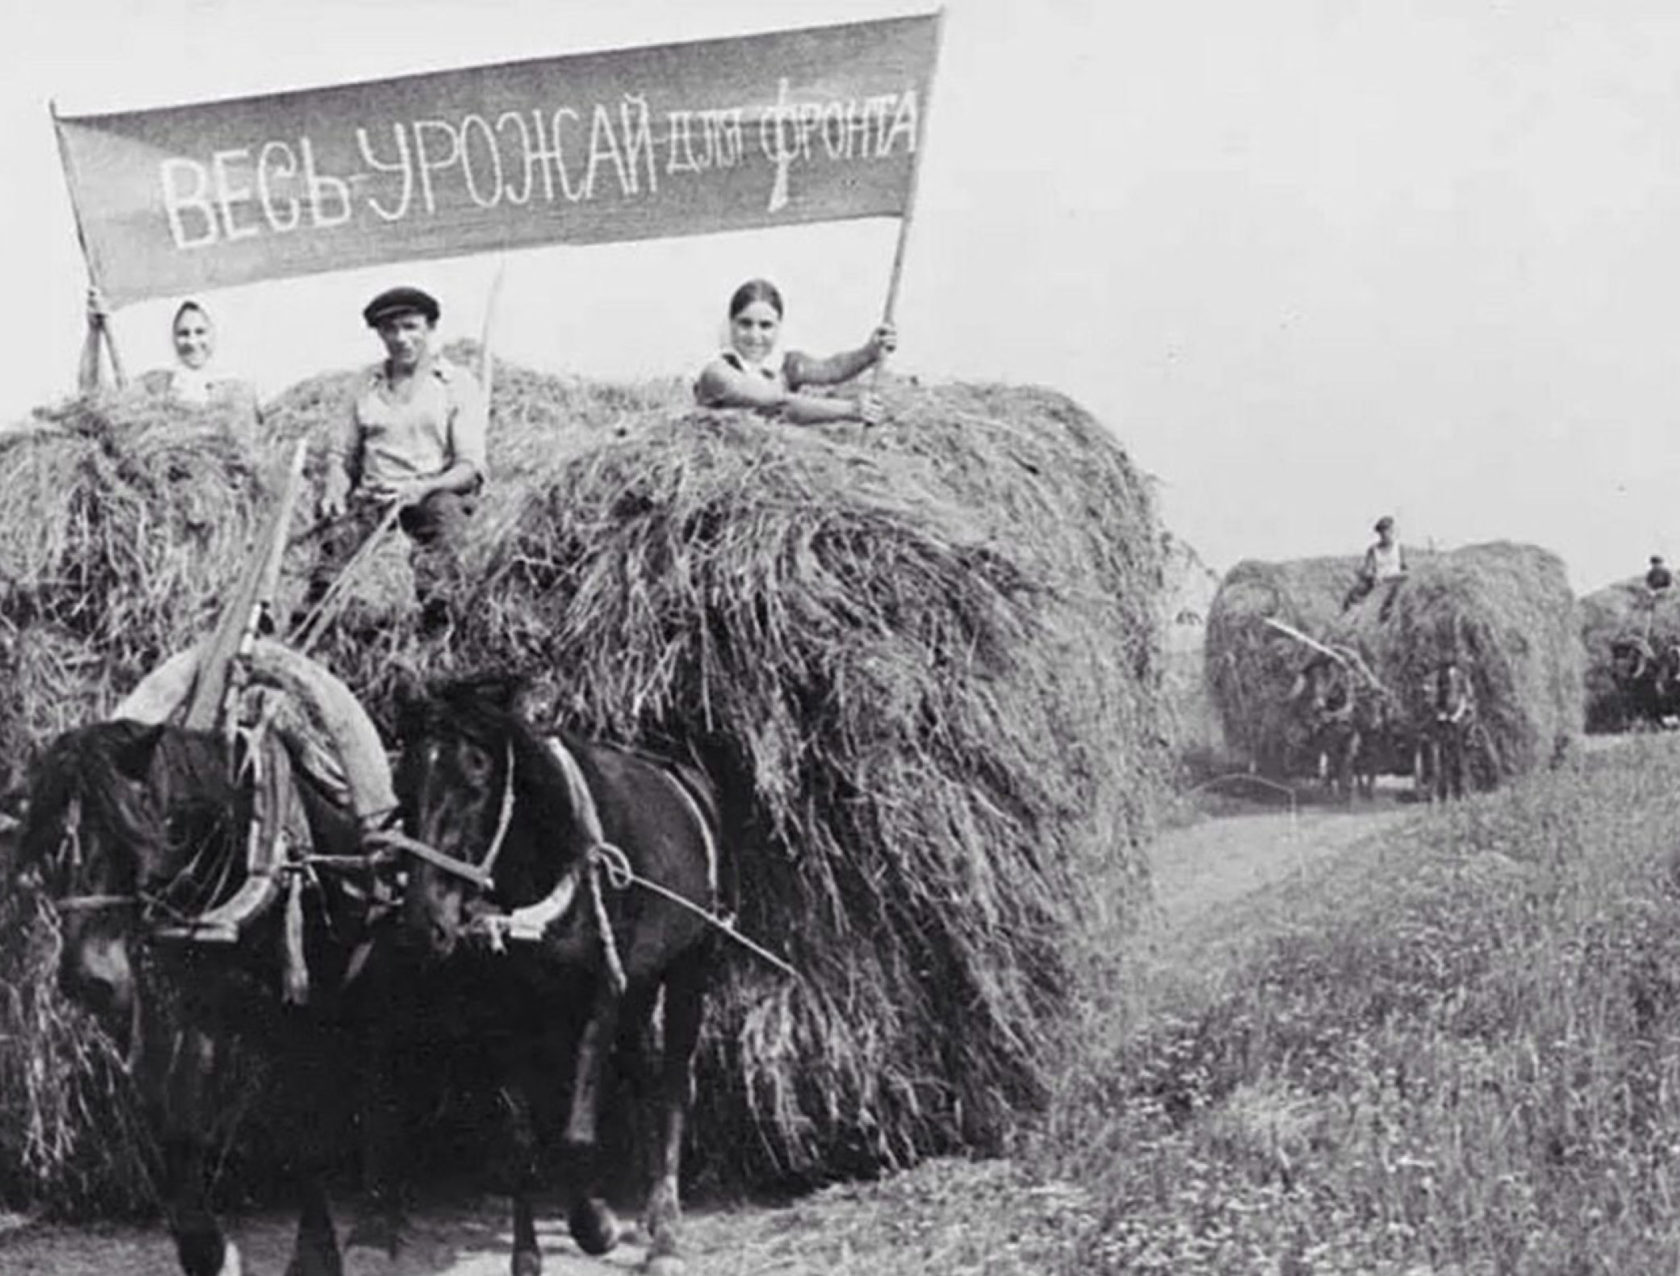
(685,1006)
(1344,767)
(199,1243)
(315,1251)
(525,1067)
(591,1221)
(381,1224)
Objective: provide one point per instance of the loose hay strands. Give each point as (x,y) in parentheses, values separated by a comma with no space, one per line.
(1627,609)
(70,1129)
(926,674)
(1507,613)
(924,659)
(1250,667)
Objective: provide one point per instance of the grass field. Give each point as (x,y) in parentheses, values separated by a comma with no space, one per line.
(1456,1050)
(1448,1044)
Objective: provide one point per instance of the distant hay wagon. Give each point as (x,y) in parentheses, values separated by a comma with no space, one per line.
(1504,611)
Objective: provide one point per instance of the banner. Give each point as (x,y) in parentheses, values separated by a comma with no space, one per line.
(681,139)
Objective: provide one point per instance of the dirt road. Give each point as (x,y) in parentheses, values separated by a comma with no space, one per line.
(913,1223)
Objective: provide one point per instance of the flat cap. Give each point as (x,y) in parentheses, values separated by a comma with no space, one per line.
(397,301)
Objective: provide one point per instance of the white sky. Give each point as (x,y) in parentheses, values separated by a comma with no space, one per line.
(1310,259)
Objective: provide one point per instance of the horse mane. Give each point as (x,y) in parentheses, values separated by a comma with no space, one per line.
(133,781)
(484,709)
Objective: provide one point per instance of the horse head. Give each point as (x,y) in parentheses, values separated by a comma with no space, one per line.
(1450,693)
(109,826)
(1324,687)
(1667,663)
(1631,660)
(468,782)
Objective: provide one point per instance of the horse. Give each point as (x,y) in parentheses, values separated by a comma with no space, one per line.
(586,869)
(137,834)
(1450,721)
(1326,689)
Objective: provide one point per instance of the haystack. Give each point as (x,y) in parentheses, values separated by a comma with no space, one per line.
(1251,667)
(1626,609)
(1506,612)
(924,663)
(924,659)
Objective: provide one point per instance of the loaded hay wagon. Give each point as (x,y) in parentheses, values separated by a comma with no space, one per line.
(1632,639)
(924,662)
(1502,612)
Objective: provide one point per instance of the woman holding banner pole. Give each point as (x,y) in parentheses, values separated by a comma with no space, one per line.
(190,380)
(746,376)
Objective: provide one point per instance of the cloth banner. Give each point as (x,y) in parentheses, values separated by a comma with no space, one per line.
(680,139)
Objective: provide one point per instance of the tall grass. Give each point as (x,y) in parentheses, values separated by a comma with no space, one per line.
(1459,1051)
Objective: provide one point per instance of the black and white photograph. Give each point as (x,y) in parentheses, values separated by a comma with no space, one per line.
(839,638)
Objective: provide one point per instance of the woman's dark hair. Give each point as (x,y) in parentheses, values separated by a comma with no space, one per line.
(756,290)
(182,309)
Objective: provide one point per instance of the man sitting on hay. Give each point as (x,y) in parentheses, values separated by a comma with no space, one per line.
(413,442)
(1384,560)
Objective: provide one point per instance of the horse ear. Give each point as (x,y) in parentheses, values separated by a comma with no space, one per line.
(504,691)
(408,699)
(134,748)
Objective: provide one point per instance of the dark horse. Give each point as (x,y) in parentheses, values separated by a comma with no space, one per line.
(1450,728)
(135,832)
(572,862)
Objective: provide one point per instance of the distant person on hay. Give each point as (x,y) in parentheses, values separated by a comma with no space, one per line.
(746,375)
(1658,578)
(1384,560)
(190,380)
(414,438)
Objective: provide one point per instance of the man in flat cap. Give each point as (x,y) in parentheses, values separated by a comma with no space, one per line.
(1384,560)
(414,438)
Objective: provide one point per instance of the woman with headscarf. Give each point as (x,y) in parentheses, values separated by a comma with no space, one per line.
(191,380)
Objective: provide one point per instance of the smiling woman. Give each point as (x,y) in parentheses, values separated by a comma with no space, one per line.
(190,380)
(745,376)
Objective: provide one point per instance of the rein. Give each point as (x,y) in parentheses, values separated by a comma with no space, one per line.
(528,923)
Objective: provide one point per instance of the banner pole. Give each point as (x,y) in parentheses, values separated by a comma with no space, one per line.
(487,365)
(110,337)
(909,216)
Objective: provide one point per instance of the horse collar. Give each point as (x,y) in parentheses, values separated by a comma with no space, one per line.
(504,818)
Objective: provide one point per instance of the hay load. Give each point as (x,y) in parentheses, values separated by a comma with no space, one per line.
(925,664)
(925,659)
(1250,667)
(1627,609)
(1507,613)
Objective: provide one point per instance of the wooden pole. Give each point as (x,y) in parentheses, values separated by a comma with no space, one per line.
(487,365)
(909,216)
(69,164)
(241,619)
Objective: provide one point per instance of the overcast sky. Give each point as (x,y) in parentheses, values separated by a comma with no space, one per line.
(1310,261)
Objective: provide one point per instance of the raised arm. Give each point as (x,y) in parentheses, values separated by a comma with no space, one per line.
(804,369)
(88,370)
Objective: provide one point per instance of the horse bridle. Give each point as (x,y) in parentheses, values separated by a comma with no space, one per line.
(70,844)
(481,874)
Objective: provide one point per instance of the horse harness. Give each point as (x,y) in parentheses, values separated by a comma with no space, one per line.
(602,859)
